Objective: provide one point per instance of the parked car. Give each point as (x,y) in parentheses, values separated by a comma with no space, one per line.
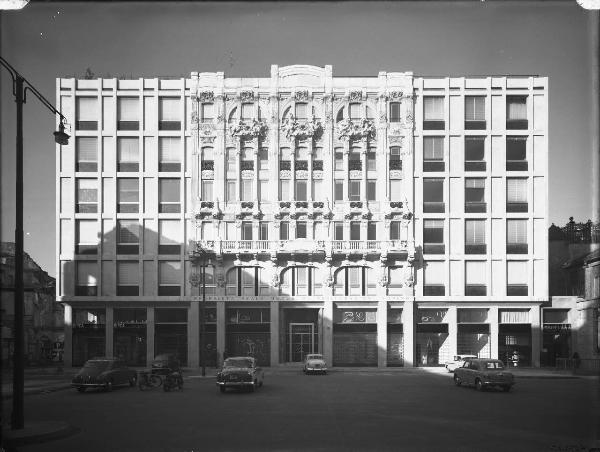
(484,373)
(240,372)
(458,361)
(165,364)
(314,363)
(104,373)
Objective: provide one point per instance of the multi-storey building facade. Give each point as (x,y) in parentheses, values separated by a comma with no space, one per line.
(386,220)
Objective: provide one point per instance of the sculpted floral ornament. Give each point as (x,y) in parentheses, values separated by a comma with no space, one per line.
(275,280)
(383,281)
(250,129)
(220,280)
(206,96)
(363,128)
(217,214)
(301,129)
(300,96)
(328,281)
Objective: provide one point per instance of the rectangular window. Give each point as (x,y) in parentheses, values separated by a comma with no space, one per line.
(516,195)
(354,230)
(301,230)
(128,278)
(231,191)
(207,231)
(318,230)
(372,160)
(475,195)
(128,195)
(395,230)
(169,200)
(516,278)
(231,160)
(395,154)
(87,196)
(169,113)
(128,113)
(355,111)
(516,112)
(207,112)
(301,110)
(128,237)
(475,278)
(339,160)
(246,230)
(169,237)
(433,113)
(475,237)
(247,190)
(169,150)
(474,112)
(396,280)
(263,159)
(338,231)
(263,190)
(371,190)
(87,112)
(263,230)
(128,150)
(338,194)
(301,191)
(87,154)
(284,189)
(354,190)
(284,230)
(434,279)
(354,280)
(516,154)
(87,237)
(516,237)
(87,279)
(433,237)
(247,111)
(475,154)
(169,278)
(395,190)
(207,190)
(433,195)
(371,230)
(317,190)
(395,112)
(433,154)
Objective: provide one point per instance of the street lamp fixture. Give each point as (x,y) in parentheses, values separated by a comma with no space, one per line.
(60,136)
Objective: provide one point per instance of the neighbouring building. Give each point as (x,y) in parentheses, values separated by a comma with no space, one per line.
(44,327)
(392,220)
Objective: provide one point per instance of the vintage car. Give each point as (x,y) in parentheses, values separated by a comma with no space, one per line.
(314,363)
(484,373)
(458,361)
(104,373)
(240,372)
(165,364)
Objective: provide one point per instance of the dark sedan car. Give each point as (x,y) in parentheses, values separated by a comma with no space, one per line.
(240,372)
(103,373)
(484,373)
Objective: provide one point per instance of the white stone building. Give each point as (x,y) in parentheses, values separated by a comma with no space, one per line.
(382,221)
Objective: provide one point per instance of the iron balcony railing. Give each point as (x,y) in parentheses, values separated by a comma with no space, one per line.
(300,245)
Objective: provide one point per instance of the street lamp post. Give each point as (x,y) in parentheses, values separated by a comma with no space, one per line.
(20,88)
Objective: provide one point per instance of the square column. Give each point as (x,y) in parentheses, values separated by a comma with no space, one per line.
(452,321)
(382,333)
(494,331)
(193,332)
(328,332)
(68,342)
(220,331)
(274,333)
(408,326)
(150,335)
(536,335)
(109,332)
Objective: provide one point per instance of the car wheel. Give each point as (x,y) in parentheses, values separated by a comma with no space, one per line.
(479,385)
(81,389)
(457,380)
(506,388)
(109,386)
(222,389)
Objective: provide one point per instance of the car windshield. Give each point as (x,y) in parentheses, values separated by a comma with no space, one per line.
(314,357)
(494,365)
(237,362)
(96,364)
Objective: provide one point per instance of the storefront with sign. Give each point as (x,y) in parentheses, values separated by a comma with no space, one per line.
(395,338)
(556,339)
(354,337)
(170,332)
(89,335)
(129,336)
(473,332)
(432,342)
(210,338)
(248,333)
(514,341)
(300,330)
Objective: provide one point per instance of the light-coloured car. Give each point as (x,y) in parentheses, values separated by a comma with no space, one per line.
(314,362)
(484,373)
(458,361)
(240,372)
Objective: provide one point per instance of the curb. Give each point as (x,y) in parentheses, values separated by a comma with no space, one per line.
(39,390)
(37,432)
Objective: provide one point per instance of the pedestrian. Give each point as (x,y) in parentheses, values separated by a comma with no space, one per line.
(515,358)
(576,360)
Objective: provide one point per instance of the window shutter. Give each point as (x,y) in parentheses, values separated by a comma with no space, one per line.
(475,273)
(87,190)
(475,232)
(169,109)
(128,273)
(87,273)
(433,109)
(128,108)
(169,232)
(474,183)
(517,108)
(87,149)
(88,232)
(129,231)
(129,151)
(516,231)
(169,273)
(433,148)
(395,112)
(128,190)
(516,190)
(169,190)
(434,273)
(169,150)
(87,109)
(207,190)
(516,273)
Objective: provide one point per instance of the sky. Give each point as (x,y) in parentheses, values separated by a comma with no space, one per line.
(49,40)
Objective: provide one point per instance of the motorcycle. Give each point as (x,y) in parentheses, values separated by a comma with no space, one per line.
(148,380)
(173,380)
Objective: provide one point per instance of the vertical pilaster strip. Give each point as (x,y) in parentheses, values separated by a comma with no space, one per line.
(68,341)
(382,333)
(150,334)
(494,331)
(193,333)
(536,335)
(274,333)
(452,321)
(408,327)
(109,332)
(220,330)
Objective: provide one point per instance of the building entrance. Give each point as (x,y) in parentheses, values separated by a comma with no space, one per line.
(301,341)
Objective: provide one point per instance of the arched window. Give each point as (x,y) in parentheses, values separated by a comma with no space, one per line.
(340,115)
(249,281)
(233,115)
(370,113)
(354,281)
(301,280)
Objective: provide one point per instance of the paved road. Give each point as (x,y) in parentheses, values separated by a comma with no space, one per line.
(363,411)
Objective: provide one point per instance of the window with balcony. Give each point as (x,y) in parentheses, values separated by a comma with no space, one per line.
(301,280)
(475,237)
(87,112)
(301,190)
(433,113)
(263,231)
(475,195)
(354,190)
(169,200)
(354,230)
(284,230)
(87,236)
(395,115)
(128,195)
(338,191)
(433,237)
(516,237)
(434,277)
(87,279)
(475,154)
(231,154)
(339,159)
(433,196)
(128,237)
(516,278)
(169,278)
(170,237)
(354,161)
(338,230)
(207,231)
(395,230)
(301,230)
(246,230)
(433,154)
(475,278)
(395,190)
(263,159)
(354,281)
(246,281)
(128,278)
(231,190)
(516,195)
(474,112)
(371,190)
(128,151)
(207,190)
(371,230)
(516,154)
(301,110)
(207,113)
(247,190)
(128,113)
(87,154)
(87,196)
(169,112)
(169,154)
(516,112)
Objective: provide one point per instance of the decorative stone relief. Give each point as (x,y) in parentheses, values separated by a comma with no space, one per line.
(355,174)
(383,280)
(275,279)
(247,96)
(317,175)
(301,96)
(395,174)
(355,96)
(247,174)
(220,280)
(285,174)
(301,129)
(408,276)
(208,174)
(248,129)
(363,128)
(301,174)
(395,95)
(206,96)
